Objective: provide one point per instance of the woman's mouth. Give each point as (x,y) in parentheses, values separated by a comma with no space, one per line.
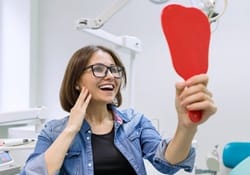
(107,87)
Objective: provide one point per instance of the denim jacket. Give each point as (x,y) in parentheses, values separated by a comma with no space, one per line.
(135,137)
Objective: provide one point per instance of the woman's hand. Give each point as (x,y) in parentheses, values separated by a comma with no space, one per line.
(55,154)
(77,113)
(193,95)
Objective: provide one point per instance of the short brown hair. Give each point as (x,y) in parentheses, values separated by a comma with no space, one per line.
(74,70)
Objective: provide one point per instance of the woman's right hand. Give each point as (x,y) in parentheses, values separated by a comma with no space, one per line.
(77,113)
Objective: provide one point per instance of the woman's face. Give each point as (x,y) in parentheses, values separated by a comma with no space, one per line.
(103,90)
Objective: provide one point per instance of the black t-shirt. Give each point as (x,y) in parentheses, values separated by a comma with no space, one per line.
(107,158)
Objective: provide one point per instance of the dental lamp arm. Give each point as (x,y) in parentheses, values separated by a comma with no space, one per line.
(99,21)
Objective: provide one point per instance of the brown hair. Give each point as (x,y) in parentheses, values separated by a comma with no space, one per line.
(76,64)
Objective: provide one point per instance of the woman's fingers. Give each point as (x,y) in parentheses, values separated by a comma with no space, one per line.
(78,111)
(195,90)
(87,100)
(195,94)
(199,105)
(197,79)
(83,96)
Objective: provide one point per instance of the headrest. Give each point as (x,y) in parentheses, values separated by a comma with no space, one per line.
(234,153)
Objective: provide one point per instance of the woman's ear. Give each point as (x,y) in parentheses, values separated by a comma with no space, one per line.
(77,87)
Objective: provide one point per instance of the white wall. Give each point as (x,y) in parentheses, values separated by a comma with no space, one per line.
(14,54)
(154,75)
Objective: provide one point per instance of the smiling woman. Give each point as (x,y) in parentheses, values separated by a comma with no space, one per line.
(98,138)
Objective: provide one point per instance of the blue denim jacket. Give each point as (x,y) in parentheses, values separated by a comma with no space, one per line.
(135,137)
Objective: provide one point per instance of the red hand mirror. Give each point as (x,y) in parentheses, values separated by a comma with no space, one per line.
(187,31)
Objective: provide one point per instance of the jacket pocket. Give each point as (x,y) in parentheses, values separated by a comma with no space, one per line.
(134,138)
(72,154)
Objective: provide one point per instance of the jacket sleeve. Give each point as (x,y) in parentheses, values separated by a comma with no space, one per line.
(154,148)
(35,164)
(164,166)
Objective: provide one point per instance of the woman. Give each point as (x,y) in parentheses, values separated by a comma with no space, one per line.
(97,138)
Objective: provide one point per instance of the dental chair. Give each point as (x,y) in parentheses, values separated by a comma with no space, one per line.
(236,156)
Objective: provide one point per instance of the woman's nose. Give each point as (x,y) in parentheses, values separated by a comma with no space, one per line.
(109,74)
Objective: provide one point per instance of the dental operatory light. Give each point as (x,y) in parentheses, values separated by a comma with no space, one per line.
(213,8)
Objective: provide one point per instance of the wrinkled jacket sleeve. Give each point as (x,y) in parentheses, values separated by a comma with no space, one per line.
(164,166)
(35,164)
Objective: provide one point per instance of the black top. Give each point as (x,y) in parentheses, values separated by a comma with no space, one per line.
(107,158)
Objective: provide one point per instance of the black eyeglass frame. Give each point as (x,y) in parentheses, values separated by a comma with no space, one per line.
(120,70)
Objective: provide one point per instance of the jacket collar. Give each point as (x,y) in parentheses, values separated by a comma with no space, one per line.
(119,118)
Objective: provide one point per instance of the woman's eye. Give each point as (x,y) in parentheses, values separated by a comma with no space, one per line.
(98,69)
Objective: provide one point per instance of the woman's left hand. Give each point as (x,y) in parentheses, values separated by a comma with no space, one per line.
(193,95)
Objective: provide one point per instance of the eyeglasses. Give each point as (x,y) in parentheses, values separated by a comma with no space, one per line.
(100,70)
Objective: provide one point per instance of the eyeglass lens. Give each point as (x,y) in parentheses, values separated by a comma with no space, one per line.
(100,70)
